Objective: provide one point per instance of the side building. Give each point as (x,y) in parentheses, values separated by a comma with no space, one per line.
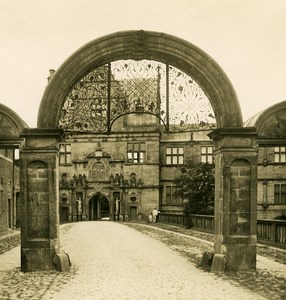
(125,175)
(129,128)
(11,126)
(271,185)
(176,151)
(111,176)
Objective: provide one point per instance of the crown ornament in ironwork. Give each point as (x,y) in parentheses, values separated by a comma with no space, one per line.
(140,38)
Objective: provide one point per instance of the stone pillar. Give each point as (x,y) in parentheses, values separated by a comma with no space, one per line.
(84,210)
(235,196)
(39,185)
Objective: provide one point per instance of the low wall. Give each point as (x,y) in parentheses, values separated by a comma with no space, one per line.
(9,241)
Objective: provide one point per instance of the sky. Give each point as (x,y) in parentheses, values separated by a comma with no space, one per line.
(247,38)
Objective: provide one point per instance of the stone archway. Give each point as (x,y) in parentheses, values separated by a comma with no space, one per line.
(139,45)
(232,141)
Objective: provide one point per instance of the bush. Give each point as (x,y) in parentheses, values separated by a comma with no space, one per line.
(196,187)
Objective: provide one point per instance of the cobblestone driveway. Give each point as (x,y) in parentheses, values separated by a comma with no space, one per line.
(113,261)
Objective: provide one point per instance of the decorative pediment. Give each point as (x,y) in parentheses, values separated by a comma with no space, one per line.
(98,153)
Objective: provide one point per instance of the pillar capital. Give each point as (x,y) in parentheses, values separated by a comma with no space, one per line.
(234,138)
(41,138)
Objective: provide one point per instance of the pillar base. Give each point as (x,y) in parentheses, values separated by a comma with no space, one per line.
(218,263)
(40,259)
(62,262)
(239,251)
(241,257)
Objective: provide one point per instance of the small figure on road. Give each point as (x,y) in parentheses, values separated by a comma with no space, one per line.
(155,213)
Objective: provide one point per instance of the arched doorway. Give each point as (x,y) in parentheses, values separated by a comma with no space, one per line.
(98,207)
(232,141)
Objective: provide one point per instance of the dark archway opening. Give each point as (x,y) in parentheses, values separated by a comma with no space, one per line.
(98,208)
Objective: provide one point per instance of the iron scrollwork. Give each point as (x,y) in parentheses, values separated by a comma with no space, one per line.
(127,86)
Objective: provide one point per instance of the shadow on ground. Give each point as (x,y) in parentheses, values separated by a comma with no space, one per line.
(191,245)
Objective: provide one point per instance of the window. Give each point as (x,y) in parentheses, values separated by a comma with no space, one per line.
(280,154)
(133,197)
(174,155)
(207,154)
(136,153)
(16,153)
(65,154)
(170,197)
(280,193)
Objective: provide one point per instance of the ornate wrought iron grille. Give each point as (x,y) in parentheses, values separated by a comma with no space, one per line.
(122,87)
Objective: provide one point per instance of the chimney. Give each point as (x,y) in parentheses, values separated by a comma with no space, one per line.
(52,72)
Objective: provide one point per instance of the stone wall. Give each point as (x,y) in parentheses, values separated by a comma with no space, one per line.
(9,241)
(6,195)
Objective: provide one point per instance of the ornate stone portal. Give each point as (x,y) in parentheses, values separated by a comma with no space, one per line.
(235,146)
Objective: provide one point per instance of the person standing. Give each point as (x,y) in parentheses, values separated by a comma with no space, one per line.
(155,215)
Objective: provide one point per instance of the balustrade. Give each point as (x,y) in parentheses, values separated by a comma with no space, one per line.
(268,231)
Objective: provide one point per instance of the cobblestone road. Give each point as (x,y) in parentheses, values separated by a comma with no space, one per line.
(113,261)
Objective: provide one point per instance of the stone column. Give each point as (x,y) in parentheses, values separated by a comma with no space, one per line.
(39,185)
(235,196)
(84,211)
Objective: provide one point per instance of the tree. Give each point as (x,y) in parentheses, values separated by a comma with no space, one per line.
(196,187)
